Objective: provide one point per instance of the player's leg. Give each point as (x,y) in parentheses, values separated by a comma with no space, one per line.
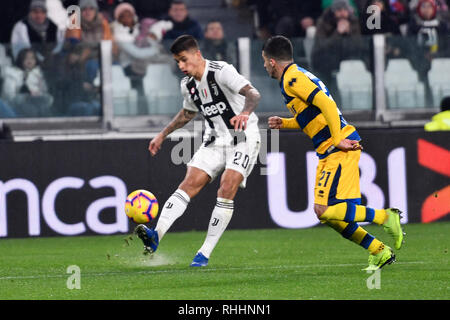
(221,215)
(338,180)
(240,162)
(380,254)
(353,232)
(203,167)
(177,203)
(349,212)
(173,208)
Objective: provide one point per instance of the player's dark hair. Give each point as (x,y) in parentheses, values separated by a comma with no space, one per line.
(278,48)
(183,43)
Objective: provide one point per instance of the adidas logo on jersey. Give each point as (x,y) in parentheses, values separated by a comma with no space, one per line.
(214,109)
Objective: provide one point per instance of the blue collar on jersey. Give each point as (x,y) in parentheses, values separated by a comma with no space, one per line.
(284,71)
(287,98)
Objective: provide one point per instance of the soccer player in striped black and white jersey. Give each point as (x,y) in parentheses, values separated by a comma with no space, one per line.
(230,145)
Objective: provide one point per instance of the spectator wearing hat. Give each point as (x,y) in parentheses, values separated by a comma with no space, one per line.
(138,47)
(429,30)
(337,38)
(338,20)
(428,27)
(134,39)
(442,9)
(38,32)
(93,29)
(125,26)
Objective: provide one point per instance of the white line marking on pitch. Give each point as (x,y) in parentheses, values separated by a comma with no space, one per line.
(43,276)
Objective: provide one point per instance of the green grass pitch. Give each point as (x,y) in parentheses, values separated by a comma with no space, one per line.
(314,263)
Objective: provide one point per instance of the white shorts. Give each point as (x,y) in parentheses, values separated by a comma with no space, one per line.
(214,159)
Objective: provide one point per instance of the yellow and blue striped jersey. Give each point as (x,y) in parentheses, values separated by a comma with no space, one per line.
(314,110)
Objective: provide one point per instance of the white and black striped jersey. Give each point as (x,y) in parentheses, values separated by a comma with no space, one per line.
(217,97)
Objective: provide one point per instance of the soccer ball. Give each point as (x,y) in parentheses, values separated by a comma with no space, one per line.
(141,206)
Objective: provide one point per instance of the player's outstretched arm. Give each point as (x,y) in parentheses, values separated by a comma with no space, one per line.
(179,121)
(252,98)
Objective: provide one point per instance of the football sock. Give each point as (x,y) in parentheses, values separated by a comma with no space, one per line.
(220,218)
(353,232)
(173,209)
(349,212)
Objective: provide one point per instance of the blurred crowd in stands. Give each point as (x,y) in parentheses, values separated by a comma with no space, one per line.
(418,30)
(49,57)
(349,17)
(54,70)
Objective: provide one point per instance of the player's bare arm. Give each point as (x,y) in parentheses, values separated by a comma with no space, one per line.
(252,98)
(179,121)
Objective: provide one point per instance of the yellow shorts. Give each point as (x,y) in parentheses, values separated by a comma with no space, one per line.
(337,179)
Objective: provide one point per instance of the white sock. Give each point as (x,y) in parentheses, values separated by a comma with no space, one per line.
(220,218)
(173,209)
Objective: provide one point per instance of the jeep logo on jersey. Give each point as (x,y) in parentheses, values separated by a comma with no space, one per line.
(214,109)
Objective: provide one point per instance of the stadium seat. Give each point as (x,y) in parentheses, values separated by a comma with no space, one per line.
(403,88)
(439,79)
(162,89)
(271,98)
(124,97)
(355,85)
(308,44)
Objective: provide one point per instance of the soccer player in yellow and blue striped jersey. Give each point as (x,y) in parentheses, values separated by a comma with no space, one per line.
(337,196)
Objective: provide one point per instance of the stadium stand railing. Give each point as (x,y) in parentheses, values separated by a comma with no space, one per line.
(372,87)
